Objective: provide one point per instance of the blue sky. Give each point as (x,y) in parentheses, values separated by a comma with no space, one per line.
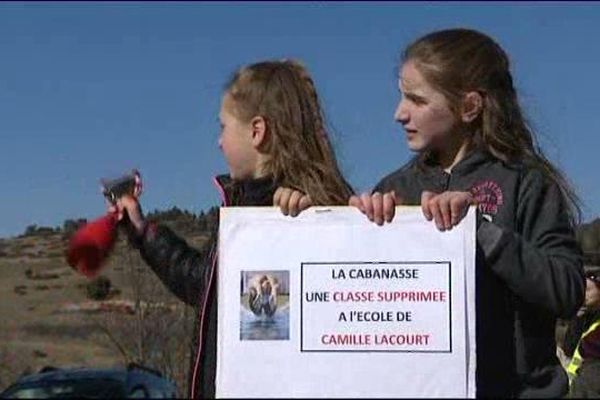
(89,90)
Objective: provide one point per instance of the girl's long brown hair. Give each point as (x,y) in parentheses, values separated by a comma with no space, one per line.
(298,145)
(457,61)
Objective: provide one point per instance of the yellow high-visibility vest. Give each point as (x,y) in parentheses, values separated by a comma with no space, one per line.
(576,361)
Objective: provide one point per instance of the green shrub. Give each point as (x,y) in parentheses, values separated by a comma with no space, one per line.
(99,288)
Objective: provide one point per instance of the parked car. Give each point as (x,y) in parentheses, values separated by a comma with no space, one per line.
(134,381)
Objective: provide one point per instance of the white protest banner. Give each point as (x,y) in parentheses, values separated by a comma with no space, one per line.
(328,304)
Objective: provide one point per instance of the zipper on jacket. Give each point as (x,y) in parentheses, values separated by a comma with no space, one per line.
(213,256)
(448,177)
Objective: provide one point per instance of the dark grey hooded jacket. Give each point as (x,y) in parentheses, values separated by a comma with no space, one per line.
(529,268)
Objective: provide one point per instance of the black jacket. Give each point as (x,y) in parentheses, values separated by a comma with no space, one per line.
(190,274)
(529,268)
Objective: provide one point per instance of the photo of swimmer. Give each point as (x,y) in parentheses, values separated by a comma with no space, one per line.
(264,305)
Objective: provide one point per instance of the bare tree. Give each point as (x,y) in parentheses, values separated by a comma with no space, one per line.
(156,331)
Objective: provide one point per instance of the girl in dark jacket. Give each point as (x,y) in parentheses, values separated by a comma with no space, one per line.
(272,134)
(461,116)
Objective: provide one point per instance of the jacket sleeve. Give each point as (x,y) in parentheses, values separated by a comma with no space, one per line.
(542,262)
(185,271)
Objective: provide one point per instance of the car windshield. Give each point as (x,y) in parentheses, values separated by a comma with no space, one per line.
(86,388)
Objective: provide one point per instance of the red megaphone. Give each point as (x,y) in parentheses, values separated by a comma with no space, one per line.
(90,246)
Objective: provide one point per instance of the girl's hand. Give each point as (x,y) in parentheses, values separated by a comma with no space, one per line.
(446,209)
(377,207)
(290,201)
(134,212)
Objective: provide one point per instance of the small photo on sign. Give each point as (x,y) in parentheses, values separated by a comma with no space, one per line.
(265,305)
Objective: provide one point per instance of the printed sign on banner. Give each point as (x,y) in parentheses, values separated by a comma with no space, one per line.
(328,304)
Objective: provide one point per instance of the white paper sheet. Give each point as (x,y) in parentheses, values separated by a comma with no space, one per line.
(362,310)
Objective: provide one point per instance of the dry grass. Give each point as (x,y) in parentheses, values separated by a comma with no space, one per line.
(37,333)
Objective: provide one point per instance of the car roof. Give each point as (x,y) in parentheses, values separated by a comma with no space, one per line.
(54,374)
(129,376)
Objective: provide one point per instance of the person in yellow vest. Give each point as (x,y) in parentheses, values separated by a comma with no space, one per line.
(584,368)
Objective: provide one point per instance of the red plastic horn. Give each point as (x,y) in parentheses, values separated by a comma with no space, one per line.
(91,244)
